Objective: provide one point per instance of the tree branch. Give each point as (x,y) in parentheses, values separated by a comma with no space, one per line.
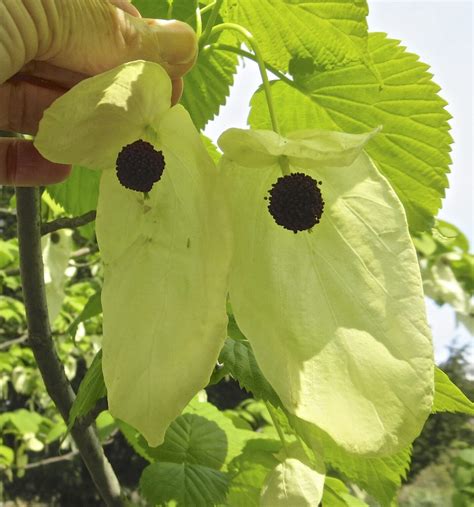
(40,341)
(67,223)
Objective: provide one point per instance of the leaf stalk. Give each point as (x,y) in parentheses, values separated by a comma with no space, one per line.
(260,61)
(216,7)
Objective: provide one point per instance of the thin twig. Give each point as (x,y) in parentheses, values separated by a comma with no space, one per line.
(57,459)
(6,211)
(67,223)
(41,343)
(50,461)
(84,251)
(12,272)
(16,341)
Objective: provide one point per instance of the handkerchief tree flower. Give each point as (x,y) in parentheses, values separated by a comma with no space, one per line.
(298,237)
(340,304)
(163,235)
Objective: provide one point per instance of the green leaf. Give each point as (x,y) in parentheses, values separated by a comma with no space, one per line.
(92,308)
(194,440)
(336,317)
(91,390)
(451,236)
(236,438)
(12,310)
(211,149)
(412,150)
(249,470)
(189,460)
(202,435)
(336,494)
(184,10)
(240,361)
(106,425)
(78,194)
(8,253)
(7,457)
(381,477)
(136,441)
(207,85)
(448,397)
(187,485)
(157,9)
(24,421)
(57,431)
(329,34)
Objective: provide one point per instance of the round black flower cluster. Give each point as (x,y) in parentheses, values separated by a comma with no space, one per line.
(140,166)
(296,202)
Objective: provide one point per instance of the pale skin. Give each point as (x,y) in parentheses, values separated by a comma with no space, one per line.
(48,46)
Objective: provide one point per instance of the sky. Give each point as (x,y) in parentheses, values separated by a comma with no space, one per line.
(440,32)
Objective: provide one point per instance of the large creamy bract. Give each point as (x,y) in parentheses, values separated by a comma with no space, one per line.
(165,257)
(336,316)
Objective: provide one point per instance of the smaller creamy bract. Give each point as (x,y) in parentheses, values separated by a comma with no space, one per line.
(165,255)
(336,314)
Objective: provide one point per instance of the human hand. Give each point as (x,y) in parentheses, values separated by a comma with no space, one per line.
(48,46)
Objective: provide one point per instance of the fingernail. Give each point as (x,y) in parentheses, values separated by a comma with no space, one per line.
(178,42)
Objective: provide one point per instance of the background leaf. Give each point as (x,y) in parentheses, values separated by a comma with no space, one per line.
(152,8)
(78,194)
(187,485)
(249,470)
(208,84)
(328,34)
(185,10)
(239,360)
(379,476)
(201,435)
(448,397)
(190,459)
(412,150)
(92,308)
(336,494)
(91,390)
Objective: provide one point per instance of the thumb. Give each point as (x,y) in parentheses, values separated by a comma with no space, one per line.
(89,37)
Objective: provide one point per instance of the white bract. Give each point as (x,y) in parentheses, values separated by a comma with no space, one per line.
(336,316)
(165,257)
